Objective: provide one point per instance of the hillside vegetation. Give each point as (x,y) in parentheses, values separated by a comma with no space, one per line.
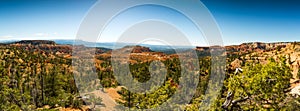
(38,75)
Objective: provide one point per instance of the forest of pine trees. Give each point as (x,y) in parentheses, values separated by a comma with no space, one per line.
(31,80)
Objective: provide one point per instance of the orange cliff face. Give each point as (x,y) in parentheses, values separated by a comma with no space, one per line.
(248,47)
(261,52)
(256,46)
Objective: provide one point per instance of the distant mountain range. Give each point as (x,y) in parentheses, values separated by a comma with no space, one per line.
(245,47)
(113,45)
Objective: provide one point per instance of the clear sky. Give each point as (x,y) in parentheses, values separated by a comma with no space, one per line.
(41,19)
(239,20)
(257,20)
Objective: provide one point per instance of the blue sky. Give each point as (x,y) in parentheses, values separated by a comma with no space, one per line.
(239,20)
(41,19)
(257,20)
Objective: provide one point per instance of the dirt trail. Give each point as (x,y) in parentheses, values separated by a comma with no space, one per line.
(108,98)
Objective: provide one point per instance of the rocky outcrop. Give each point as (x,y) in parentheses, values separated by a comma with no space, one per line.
(135,49)
(295,63)
(249,47)
(255,46)
(140,49)
(236,64)
(202,48)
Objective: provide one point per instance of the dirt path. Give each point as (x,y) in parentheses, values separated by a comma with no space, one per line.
(108,102)
(108,98)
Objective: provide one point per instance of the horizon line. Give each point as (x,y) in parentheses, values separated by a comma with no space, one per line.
(14,40)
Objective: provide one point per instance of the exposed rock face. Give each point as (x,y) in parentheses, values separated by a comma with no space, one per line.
(202,48)
(236,64)
(250,47)
(295,91)
(261,52)
(276,50)
(140,49)
(295,63)
(256,46)
(135,49)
